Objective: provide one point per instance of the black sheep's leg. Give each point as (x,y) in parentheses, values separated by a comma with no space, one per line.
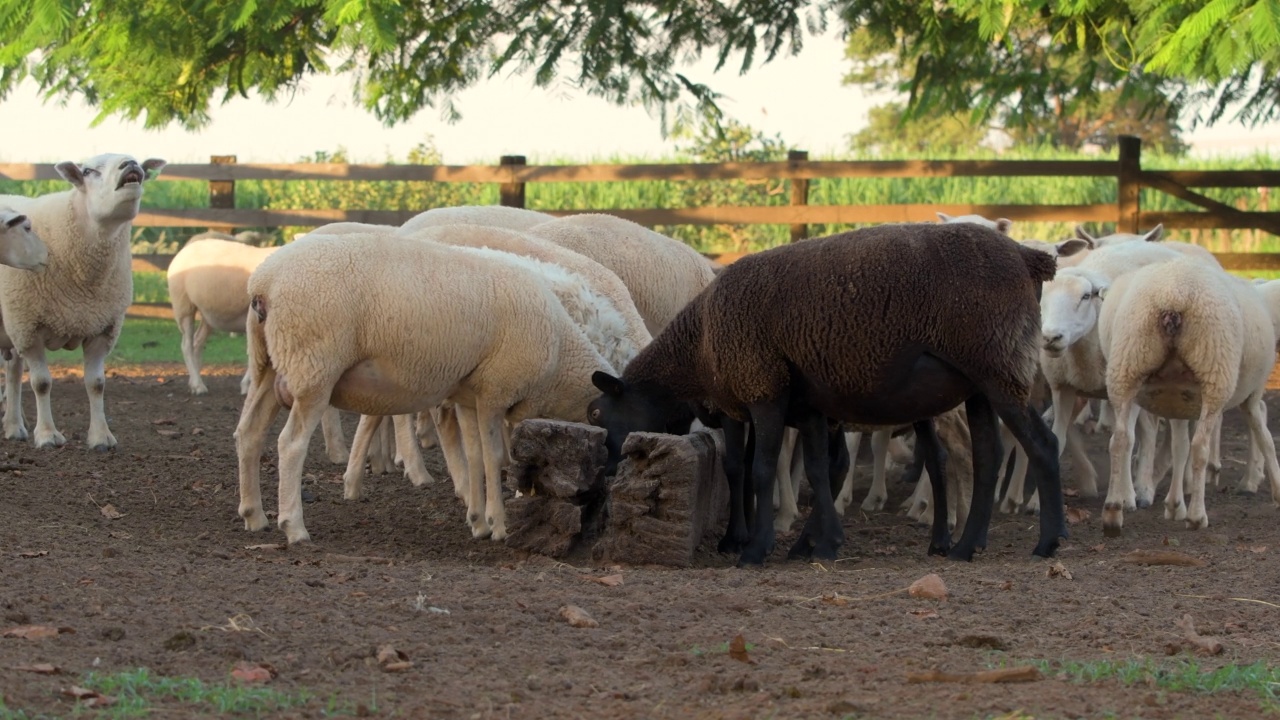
(1041,447)
(735,464)
(767,424)
(930,453)
(825,458)
(986,463)
(748,489)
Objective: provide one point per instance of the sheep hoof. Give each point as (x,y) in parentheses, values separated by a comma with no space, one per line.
(961,552)
(1009,506)
(939,549)
(338,456)
(202,390)
(254,520)
(783,525)
(1046,548)
(1112,520)
(49,439)
(1246,490)
(295,533)
(730,544)
(18,434)
(1032,508)
(873,504)
(102,447)
(1198,524)
(751,558)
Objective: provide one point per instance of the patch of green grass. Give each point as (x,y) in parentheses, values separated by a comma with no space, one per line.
(150,286)
(1260,678)
(136,690)
(146,340)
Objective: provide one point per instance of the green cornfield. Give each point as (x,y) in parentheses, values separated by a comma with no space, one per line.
(390,195)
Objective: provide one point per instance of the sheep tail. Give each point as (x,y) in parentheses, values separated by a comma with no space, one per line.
(1170,323)
(1040,264)
(258,305)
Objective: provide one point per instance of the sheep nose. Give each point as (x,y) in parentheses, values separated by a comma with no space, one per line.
(1052,339)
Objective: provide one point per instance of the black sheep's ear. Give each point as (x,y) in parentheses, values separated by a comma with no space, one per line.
(607,384)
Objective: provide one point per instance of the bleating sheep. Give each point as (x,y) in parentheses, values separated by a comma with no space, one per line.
(661,273)
(81,297)
(1184,340)
(855,328)
(405,326)
(210,276)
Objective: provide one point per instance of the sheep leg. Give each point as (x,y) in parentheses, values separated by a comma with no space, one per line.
(1013,494)
(1175,506)
(190,355)
(1201,449)
(767,423)
(445,418)
(1086,473)
(1145,487)
(15,427)
(244,384)
(1254,469)
(426,431)
(379,452)
(934,456)
(490,421)
(1040,445)
(468,425)
(1262,442)
(46,433)
(291,455)
(845,497)
(1106,416)
(784,492)
(335,446)
(99,436)
(353,478)
(414,468)
(986,460)
(878,493)
(1120,493)
(825,455)
(259,411)
(198,341)
(735,453)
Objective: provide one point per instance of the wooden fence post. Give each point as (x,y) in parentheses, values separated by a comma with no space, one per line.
(799,192)
(1129,176)
(512,194)
(222,193)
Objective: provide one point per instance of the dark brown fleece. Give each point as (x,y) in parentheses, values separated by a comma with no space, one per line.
(843,311)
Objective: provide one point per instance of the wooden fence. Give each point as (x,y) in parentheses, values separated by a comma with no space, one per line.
(512,175)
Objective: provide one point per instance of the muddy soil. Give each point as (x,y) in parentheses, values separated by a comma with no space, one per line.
(175,584)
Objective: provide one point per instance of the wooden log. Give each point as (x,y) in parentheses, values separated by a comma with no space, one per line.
(558,467)
(670,492)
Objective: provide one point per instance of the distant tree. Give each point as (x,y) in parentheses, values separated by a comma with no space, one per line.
(888,129)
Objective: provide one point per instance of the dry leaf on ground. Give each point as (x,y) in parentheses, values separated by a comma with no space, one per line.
(577,617)
(249,672)
(165,421)
(42,553)
(924,614)
(35,632)
(1058,570)
(929,586)
(607,580)
(89,698)
(1161,557)
(738,649)
(393,660)
(1203,643)
(1017,674)
(39,668)
(110,512)
(1076,516)
(835,599)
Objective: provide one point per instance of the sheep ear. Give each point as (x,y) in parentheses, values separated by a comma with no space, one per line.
(15,221)
(1067,248)
(1155,233)
(944,217)
(70,172)
(607,384)
(1003,225)
(1084,235)
(153,166)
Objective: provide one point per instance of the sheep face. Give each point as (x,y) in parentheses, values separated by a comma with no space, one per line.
(999,224)
(1069,308)
(20,247)
(624,409)
(111,184)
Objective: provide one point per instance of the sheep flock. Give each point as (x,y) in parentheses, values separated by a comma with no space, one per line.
(459,324)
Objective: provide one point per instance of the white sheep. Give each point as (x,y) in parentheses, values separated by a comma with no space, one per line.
(210,276)
(1184,340)
(487,215)
(404,326)
(662,274)
(81,297)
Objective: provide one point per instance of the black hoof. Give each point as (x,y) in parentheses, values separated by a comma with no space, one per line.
(750,559)
(1111,531)
(730,545)
(101,448)
(938,550)
(960,553)
(1142,504)
(1046,550)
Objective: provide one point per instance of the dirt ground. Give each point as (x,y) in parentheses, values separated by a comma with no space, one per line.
(173,584)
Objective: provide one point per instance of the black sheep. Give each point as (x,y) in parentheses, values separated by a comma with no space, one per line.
(889,325)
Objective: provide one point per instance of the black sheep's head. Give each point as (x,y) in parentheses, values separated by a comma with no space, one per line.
(624,408)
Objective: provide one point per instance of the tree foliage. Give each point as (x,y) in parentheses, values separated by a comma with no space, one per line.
(166,61)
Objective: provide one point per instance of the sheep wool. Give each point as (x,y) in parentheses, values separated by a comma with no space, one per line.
(81,297)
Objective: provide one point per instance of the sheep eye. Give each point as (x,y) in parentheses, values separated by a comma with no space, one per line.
(595,414)
(1085,297)
(89,171)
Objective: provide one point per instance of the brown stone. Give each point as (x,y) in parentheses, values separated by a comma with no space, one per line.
(670,492)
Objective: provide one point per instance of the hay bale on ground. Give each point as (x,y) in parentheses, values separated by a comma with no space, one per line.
(559,469)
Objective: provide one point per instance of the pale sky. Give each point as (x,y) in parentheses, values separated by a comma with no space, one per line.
(800,97)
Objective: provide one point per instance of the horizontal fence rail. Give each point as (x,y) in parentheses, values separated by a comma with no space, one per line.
(512,175)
